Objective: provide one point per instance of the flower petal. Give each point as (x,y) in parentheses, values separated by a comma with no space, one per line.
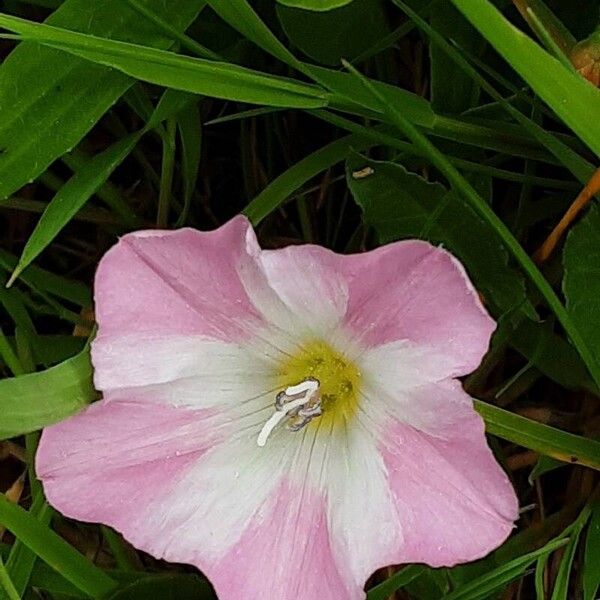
(105,463)
(183,281)
(408,290)
(308,286)
(294,561)
(363,520)
(413,291)
(181,370)
(455,504)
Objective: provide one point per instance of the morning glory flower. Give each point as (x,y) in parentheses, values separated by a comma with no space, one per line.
(288,421)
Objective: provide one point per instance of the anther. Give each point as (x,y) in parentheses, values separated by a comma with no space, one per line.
(301,400)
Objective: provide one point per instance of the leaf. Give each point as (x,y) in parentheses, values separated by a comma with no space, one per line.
(296,176)
(572,98)
(87,180)
(545,464)
(30,402)
(591,572)
(544,439)
(581,282)
(327,37)
(71,198)
(399,204)
(55,551)
(551,354)
(561,584)
(452,90)
(166,587)
(483,586)
(397,581)
(50,100)
(195,75)
(316,5)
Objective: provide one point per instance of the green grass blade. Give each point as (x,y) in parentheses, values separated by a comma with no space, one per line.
(71,198)
(561,584)
(55,551)
(572,98)
(6,583)
(563,446)
(397,581)
(295,177)
(591,572)
(195,75)
(50,100)
(483,586)
(30,402)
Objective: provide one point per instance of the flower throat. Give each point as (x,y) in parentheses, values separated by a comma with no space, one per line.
(319,386)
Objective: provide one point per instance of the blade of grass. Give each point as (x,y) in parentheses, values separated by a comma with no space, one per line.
(55,551)
(465,189)
(7,584)
(195,75)
(563,446)
(398,580)
(572,98)
(30,402)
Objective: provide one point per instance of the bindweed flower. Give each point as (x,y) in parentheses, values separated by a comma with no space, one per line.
(288,421)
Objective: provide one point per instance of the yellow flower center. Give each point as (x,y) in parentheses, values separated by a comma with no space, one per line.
(339,380)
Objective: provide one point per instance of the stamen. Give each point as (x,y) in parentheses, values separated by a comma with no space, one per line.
(301,400)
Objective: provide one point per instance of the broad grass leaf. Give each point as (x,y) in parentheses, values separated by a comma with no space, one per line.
(168,69)
(50,100)
(571,97)
(55,551)
(32,401)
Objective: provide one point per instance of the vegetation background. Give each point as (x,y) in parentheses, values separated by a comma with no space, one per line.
(470,123)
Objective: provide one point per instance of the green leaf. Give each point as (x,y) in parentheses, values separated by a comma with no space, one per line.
(296,176)
(483,586)
(397,581)
(572,98)
(399,204)
(544,439)
(452,90)
(561,584)
(327,37)
(30,402)
(166,587)
(316,5)
(195,75)
(55,551)
(71,198)
(50,100)
(581,283)
(591,572)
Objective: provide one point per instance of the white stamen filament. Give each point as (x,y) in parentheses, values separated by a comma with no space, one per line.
(308,388)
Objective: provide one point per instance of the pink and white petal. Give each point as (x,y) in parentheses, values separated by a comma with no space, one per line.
(285,553)
(304,279)
(183,281)
(411,290)
(403,365)
(195,371)
(365,530)
(108,462)
(455,503)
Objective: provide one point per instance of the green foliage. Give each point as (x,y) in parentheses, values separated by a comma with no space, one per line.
(452,124)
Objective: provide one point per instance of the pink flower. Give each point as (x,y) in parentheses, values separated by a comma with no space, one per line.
(288,421)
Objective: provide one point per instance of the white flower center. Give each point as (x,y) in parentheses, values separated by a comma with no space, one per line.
(300,403)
